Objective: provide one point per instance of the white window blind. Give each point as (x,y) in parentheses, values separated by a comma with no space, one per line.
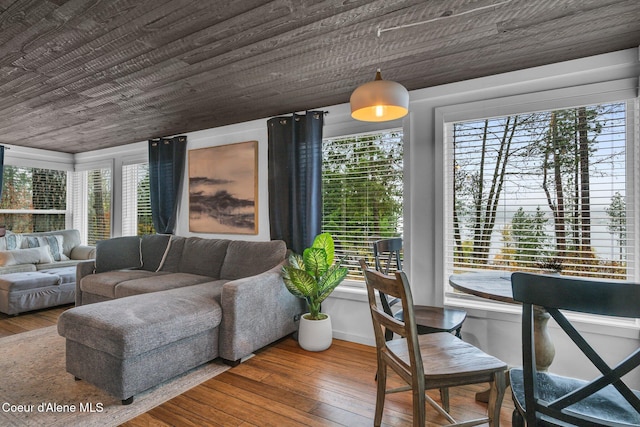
(541,191)
(33,199)
(362,179)
(136,203)
(79,204)
(98,205)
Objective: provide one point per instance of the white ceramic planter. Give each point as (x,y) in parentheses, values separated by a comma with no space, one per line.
(315,335)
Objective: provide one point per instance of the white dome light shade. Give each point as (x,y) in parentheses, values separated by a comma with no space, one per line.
(379,101)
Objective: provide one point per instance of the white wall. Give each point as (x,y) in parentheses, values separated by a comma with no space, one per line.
(496,331)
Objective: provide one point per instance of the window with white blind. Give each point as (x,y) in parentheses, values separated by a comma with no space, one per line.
(136,202)
(93,210)
(542,191)
(33,199)
(362,193)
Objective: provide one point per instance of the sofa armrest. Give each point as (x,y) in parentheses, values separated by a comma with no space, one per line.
(256,311)
(83,252)
(83,269)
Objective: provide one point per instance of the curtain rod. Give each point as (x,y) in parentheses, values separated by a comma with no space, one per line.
(315,111)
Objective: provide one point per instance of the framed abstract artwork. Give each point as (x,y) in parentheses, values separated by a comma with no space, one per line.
(223,189)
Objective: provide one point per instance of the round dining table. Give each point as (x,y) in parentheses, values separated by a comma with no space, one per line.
(496,286)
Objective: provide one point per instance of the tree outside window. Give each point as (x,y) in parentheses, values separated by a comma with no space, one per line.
(33,199)
(540,188)
(362,193)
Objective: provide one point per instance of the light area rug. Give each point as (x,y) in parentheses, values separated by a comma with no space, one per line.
(32,374)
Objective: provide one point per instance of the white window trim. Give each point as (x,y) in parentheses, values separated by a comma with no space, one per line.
(102,164)
(597,93)
(16,155)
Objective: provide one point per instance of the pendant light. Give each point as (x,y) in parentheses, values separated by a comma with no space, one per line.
(383,100)
(379,100)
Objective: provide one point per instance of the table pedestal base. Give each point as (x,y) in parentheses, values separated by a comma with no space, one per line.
(544,348)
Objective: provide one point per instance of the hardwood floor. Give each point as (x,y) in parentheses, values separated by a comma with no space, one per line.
(10,325)
(283,385)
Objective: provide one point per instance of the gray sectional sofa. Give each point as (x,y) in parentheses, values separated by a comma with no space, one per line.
(38,270)
(179,302)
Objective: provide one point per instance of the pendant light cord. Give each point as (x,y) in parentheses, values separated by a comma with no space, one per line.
(378,33)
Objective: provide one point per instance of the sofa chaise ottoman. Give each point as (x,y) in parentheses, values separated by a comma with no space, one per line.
(33,290)
(129,345)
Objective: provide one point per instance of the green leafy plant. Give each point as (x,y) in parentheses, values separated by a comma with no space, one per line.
(313,276)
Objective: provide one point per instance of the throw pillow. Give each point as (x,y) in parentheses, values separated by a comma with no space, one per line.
(118,253)
(154,251)
(52,242)
(10,241)
(37,255)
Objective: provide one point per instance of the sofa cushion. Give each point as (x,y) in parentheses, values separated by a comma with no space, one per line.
(19,268)
(118,253)
(25,256)
(142,323)
(23,281)
(174,254)
(154,250)
(203,256)
(104,284)
(160,281)
(246,259)
(65,274)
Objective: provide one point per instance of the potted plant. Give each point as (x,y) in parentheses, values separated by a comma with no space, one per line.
(313,276)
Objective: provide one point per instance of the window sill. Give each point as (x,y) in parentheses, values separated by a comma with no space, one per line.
(350,290)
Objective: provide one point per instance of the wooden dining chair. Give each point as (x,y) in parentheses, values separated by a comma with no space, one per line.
(547,399)
(386,253)
(425,362)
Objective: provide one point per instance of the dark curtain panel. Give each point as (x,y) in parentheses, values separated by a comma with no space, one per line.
(295,178)
(166,169)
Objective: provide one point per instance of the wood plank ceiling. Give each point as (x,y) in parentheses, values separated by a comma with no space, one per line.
(81,75)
